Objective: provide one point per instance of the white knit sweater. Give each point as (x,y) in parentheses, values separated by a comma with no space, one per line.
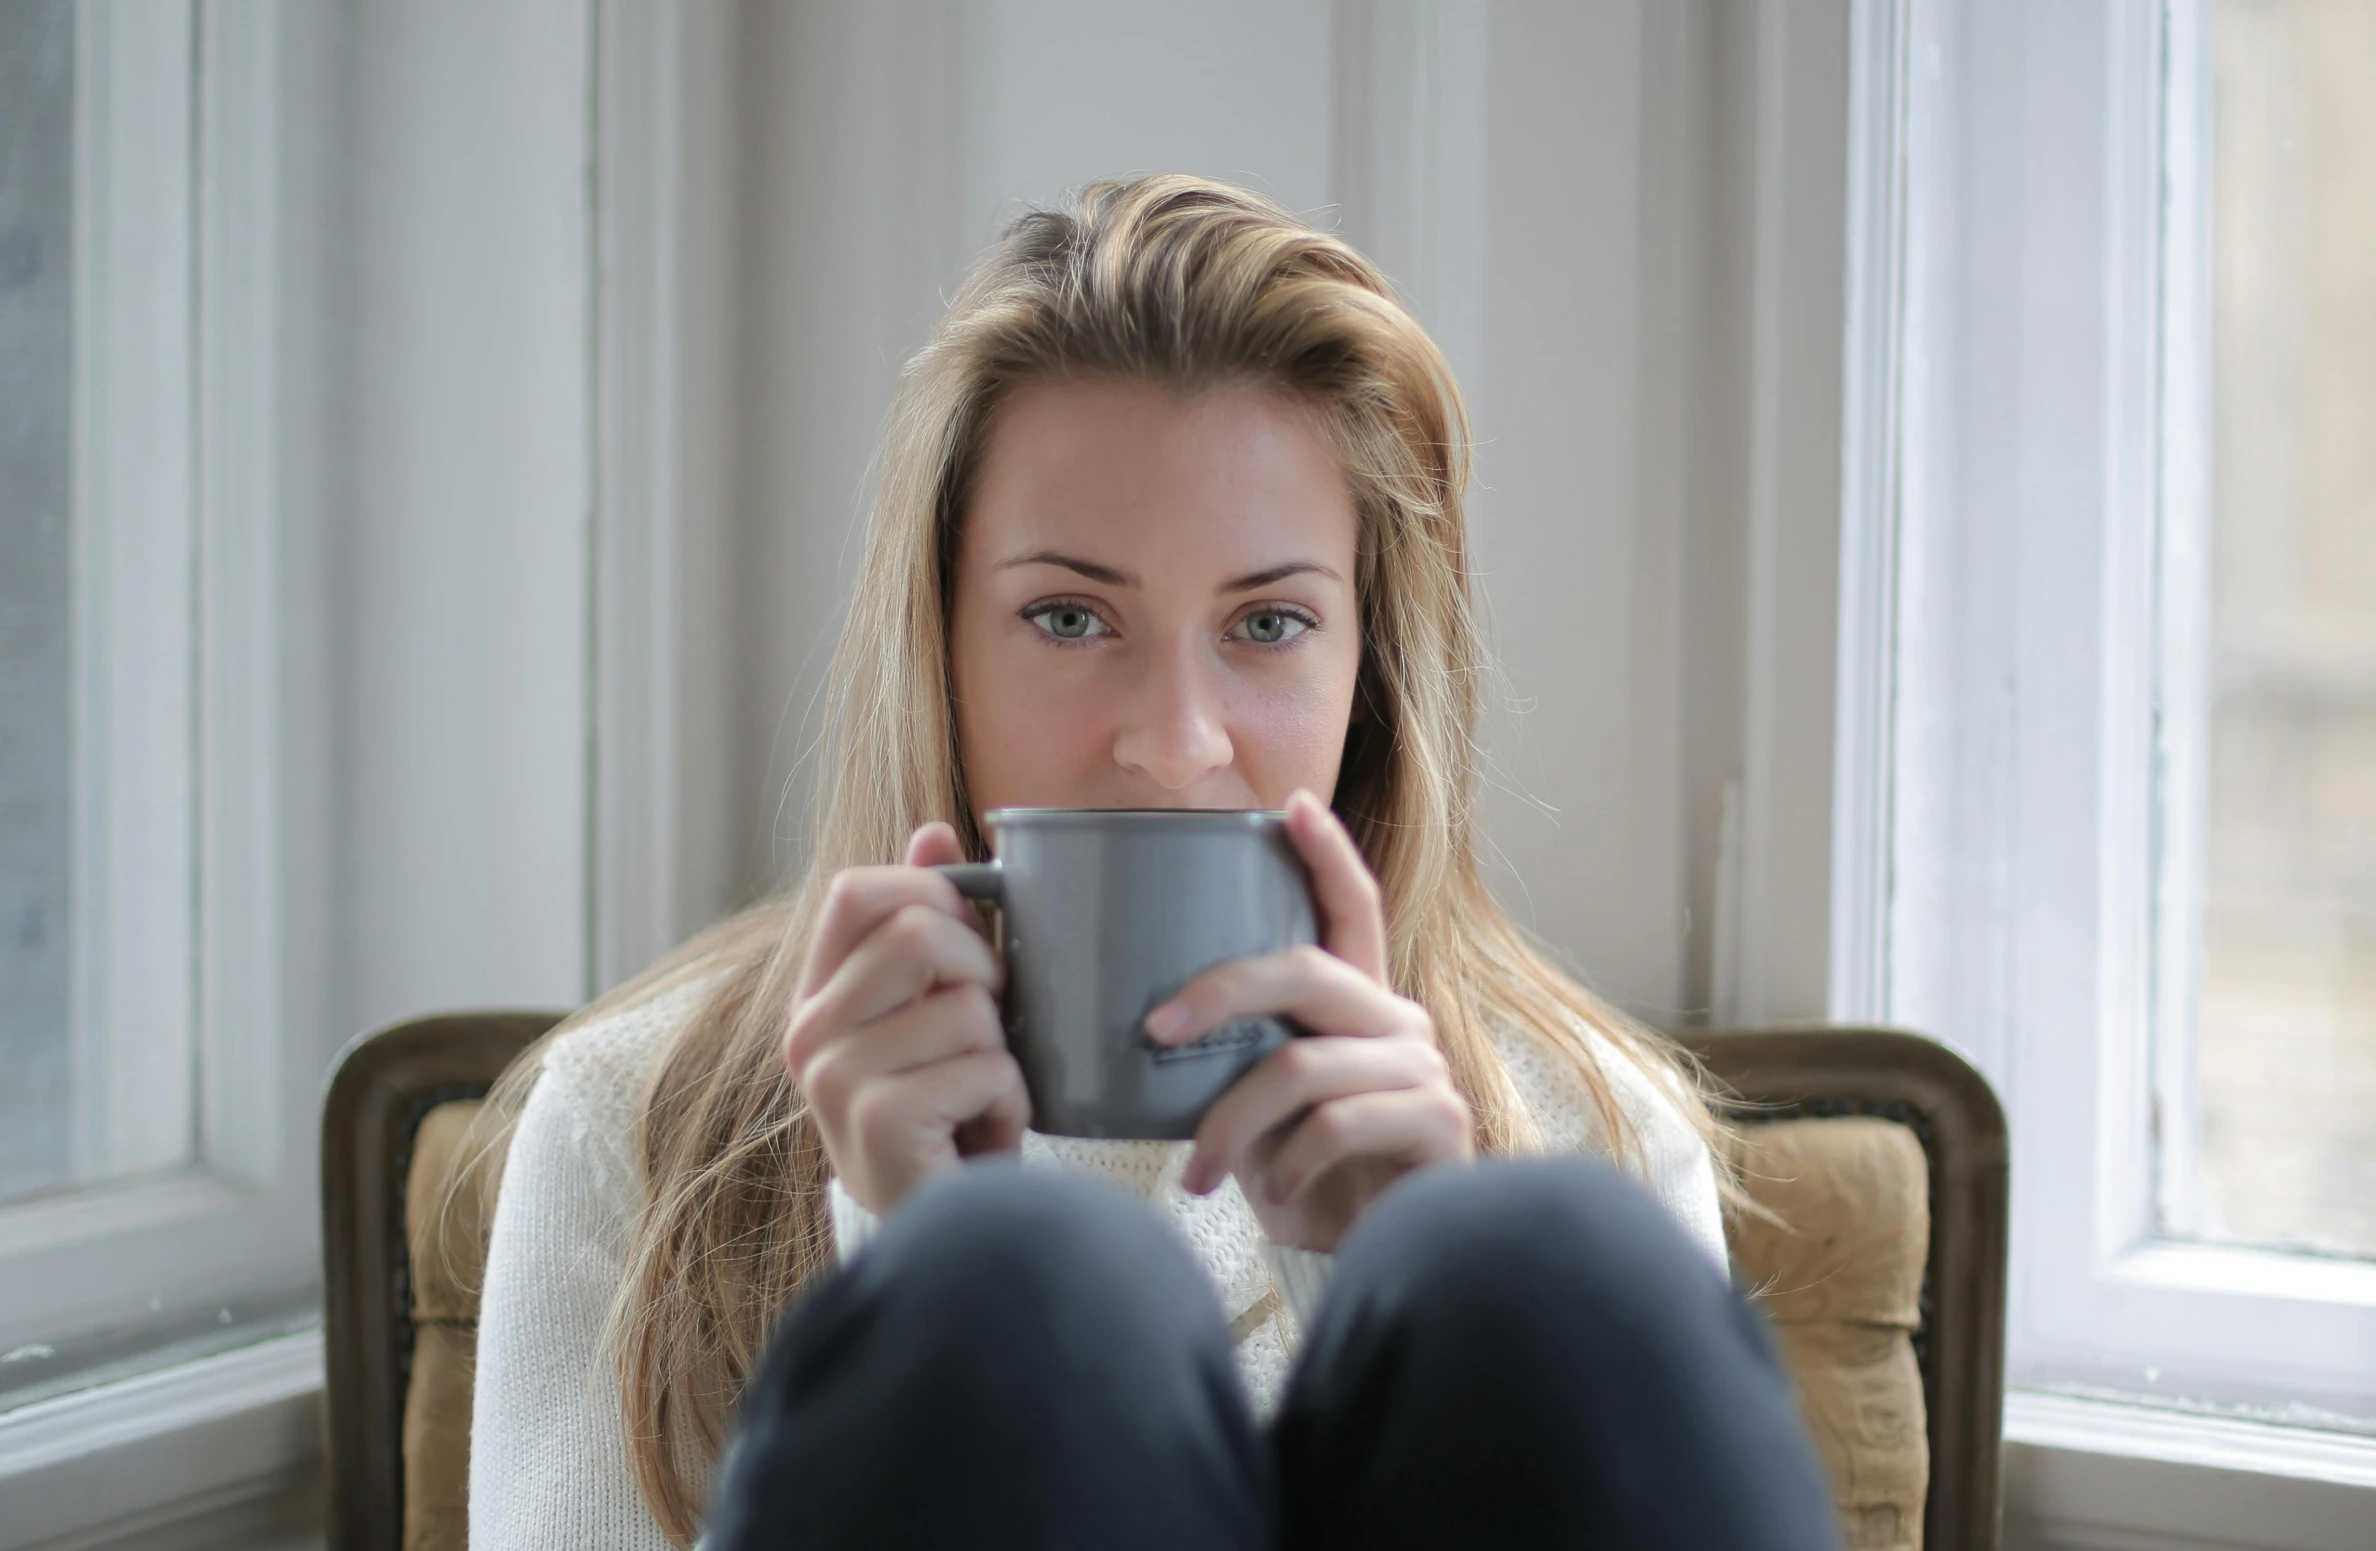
(548,1462)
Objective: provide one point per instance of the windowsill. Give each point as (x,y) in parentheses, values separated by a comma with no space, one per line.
(245,1425)
(197,1438)
(2102,1474)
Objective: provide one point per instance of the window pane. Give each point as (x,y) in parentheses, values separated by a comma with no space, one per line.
(36,706)
(2287,1060)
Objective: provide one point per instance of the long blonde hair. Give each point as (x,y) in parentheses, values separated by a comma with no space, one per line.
(1189,283)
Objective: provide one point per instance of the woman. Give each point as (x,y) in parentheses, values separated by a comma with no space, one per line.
(1170,516)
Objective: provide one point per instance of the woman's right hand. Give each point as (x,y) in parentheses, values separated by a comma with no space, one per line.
(895,1038)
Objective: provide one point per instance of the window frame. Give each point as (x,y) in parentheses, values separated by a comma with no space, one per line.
(2023,509)
(132,943)
(180,462)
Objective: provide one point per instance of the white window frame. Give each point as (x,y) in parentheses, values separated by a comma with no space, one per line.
(188,1290)
(133,943)
(2024,497)
(223,1448)
(192,748)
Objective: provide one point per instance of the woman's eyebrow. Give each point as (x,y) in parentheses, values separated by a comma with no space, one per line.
(1279,573)
(1109,576)
(1089,568)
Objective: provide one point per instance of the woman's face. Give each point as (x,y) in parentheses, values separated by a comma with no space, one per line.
(1154,601)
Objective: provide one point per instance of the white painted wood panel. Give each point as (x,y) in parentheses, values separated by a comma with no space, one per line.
(461,805)
(1584,810)
(1057,92)
(846,237)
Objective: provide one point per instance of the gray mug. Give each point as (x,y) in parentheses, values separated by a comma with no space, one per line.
(1103,914)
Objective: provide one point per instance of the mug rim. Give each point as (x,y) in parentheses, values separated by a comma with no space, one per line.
(1048,818)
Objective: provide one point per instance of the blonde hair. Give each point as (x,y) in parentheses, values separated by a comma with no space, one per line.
(1189,283)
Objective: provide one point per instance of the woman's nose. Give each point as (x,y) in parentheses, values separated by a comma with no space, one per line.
(1176,736)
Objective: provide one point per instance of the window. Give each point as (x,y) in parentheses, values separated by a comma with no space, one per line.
(2277,714)
(98,754)
(155,1157)
(37,1139)
(2111,598)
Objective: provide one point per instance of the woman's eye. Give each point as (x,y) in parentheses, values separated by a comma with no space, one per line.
(1067,621)
(1270,627)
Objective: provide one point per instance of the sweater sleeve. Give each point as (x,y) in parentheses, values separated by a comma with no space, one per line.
(1681,1172)
(1673,1164)
(853,1224)
(548,1457)
(1301,1276)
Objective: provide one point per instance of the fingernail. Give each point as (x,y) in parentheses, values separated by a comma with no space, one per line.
(1166,1021)
(1192,1176)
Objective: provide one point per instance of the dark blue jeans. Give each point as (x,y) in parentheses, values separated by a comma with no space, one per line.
(1510,1355)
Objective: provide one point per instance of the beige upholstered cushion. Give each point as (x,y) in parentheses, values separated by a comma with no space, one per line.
(1839,1275)
(447,1222)
(1839,1278)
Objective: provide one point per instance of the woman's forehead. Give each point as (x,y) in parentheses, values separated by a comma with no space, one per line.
(1153,483)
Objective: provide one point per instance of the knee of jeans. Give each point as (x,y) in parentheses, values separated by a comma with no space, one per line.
(1512,1242)
(1037,1237)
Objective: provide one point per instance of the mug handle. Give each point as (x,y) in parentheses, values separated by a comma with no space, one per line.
(976,880)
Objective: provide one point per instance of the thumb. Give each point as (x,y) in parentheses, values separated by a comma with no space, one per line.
(934,845)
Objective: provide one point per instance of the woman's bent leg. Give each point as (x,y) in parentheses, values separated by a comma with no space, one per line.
(1018,1359)
(1532,1354)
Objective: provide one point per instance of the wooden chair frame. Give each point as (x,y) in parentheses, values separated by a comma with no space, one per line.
(383,1084)
(386,1081)
(1784,1073)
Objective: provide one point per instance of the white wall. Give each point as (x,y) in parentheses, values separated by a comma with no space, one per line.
(849,230)
(1053,93)
(1580,577)
(459,350)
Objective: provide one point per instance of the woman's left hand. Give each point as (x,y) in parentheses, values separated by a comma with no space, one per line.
(1327,1121)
